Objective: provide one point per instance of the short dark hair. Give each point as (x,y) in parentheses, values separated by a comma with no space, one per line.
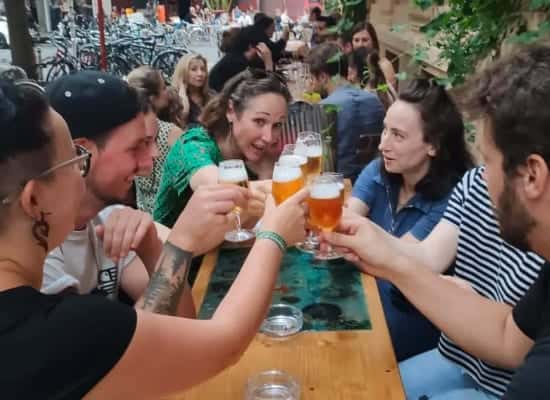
(329,20)
(367,26)
(25,142)
(327,58)
(514,94)
(443,128)
(263,21)
(316,11)
(247,37)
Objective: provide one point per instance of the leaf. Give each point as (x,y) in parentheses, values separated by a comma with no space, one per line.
(401,76)
(335,58)
(424,4)
(383,87)
(352,3)
(538,4)
(397,28)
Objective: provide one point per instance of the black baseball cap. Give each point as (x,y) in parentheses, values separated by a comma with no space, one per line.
(93,103)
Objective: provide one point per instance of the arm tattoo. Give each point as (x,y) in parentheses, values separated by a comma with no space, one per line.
(168,282)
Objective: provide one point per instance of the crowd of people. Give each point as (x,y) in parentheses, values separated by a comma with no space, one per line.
(110,194)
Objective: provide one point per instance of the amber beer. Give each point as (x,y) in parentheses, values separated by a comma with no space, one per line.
(314,160)
(325,205)
(287,180)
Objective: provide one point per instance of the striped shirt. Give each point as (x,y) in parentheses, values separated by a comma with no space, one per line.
(495,269)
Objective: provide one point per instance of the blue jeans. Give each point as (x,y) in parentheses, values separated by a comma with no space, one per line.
(411,333)
(430,376)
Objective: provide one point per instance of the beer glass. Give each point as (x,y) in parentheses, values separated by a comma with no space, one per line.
(287,179)
(325,209)
(233,172)
(297,154)
(313,145)
(339,178)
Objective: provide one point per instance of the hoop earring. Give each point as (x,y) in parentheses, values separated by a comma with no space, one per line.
(41,231)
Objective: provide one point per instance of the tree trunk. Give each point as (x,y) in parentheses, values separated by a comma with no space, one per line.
(22,53)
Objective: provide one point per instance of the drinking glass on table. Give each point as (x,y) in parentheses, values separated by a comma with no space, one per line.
(287,179)
(234,172)
(274,384)
(325,204)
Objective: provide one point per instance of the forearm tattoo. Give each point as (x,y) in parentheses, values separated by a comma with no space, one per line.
(168,282)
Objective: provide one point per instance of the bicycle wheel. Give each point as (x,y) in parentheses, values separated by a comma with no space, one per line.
(58,69)
(117,66)
(166,62)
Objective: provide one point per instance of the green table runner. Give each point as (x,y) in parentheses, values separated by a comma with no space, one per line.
(329,293)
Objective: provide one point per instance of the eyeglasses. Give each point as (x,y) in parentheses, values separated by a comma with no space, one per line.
(82,158)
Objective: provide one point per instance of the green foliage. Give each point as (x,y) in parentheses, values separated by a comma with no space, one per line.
(218,4)
(471,30)
(353,11)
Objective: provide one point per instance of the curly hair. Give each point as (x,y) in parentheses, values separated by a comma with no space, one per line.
(513,94)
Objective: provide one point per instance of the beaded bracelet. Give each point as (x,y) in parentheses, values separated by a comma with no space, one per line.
(274,237)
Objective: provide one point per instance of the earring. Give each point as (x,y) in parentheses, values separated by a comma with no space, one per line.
(41,231)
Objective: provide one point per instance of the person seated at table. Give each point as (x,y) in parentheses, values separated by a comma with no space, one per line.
(494,312)
(266,27)
(241,122)
(363,34)
(151,84)
(423,156)
(190,79)
(364,70)
(344,41)
(243,52)
(320,29)
(359,112)
(87,346)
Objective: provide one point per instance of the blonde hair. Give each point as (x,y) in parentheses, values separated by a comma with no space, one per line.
(180,80)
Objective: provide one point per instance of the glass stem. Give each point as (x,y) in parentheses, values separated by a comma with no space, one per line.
(238,216)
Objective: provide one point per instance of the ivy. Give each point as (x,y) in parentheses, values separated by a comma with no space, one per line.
(471,30)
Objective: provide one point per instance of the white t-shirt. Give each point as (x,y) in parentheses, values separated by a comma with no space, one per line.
(80,263)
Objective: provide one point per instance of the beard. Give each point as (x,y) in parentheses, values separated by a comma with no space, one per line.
(109,199)
(515,221)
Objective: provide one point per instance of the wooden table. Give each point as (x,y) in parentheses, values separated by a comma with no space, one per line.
(346,365)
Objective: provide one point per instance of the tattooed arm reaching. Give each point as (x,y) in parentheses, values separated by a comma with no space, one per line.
(169,354)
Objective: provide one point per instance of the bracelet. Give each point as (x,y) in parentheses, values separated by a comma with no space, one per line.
(274,237)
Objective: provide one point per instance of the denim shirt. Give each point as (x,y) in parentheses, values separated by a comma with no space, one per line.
(359,112)
(418,217)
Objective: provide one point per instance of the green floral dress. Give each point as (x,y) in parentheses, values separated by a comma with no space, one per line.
(192,151)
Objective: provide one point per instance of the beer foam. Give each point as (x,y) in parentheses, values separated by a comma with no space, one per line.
(314,151)
(232,175)
(300,149)
(325,191)
(292,159)
(286,173)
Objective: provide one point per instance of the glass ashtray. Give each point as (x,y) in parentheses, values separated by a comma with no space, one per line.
(272,385)
(282,320)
